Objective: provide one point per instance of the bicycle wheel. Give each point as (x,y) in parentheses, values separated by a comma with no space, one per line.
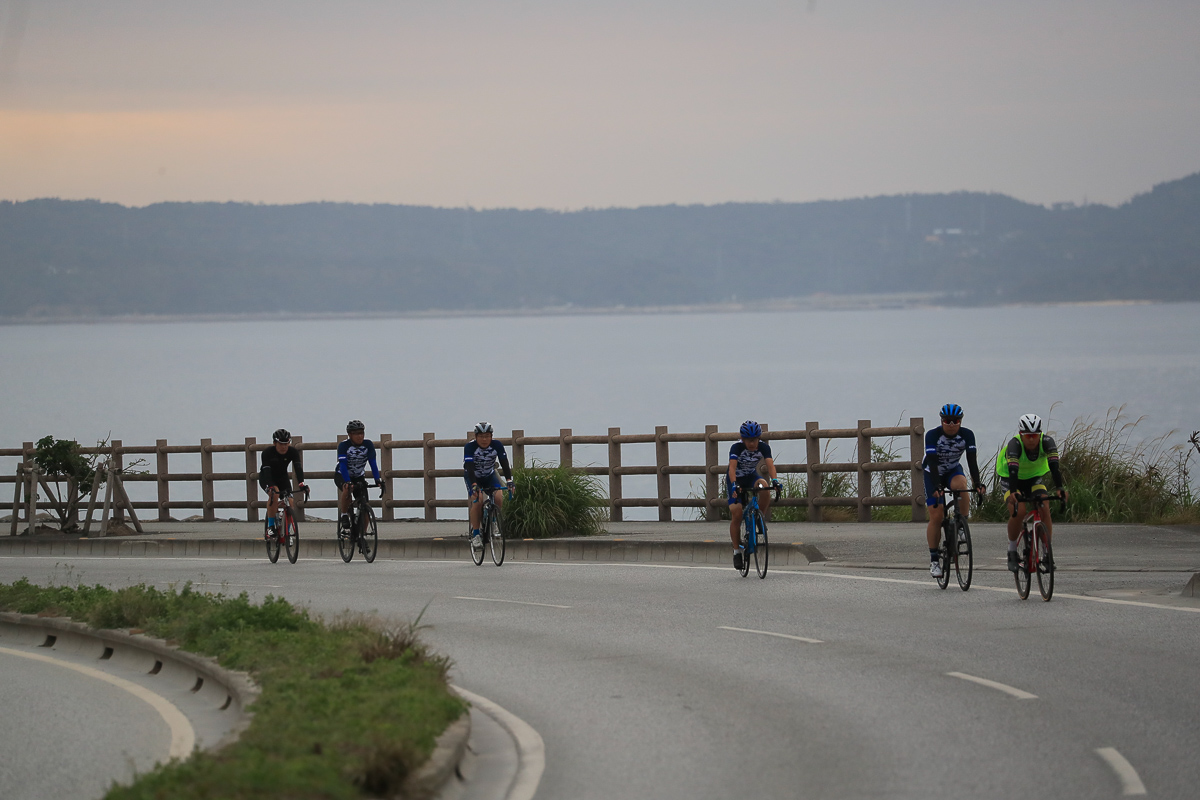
(964,560)
(747,545)
(477,551)
(346,542)
(944,557)
(272,543)
(368,534)
(761,548)
(1024,566)
(291,535)
(495,536)
(1044,562)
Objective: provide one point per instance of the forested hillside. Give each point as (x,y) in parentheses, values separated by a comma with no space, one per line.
(62,258)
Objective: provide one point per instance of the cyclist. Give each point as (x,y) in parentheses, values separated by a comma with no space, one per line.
(273,473)
(479,471)
(353,456)
(944,448)
(1022,467)
(742,475)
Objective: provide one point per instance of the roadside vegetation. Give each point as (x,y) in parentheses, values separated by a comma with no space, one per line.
(349,708)
(554,501)
(1114,476)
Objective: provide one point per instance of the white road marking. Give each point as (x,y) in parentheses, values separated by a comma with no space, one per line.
(1130,782)
(515,602)
(531,750)
(1020,694)
(770,633)
(183,736)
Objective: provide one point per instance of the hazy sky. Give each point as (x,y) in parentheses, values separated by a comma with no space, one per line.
(572,104)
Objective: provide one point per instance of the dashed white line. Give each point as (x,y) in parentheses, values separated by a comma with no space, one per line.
(516,602)
(1130,782)
(1020,694)
(531,750)
(771,633)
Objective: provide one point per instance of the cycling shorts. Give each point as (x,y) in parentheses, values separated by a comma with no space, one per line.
(930,488)
(745,482)
(485,482)
(1027,486)
(338,481)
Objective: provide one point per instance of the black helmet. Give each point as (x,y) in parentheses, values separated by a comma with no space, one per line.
(355,425)
(281,435)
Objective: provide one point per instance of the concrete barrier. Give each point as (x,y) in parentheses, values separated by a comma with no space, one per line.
(1192,588)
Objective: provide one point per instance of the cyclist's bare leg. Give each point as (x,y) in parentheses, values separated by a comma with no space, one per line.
(1049,525)
(344,499)
(933,531)
(735,524)
(272,501)
(1015,522)
(964,500)
(498,498)
(476,509)
(764,497)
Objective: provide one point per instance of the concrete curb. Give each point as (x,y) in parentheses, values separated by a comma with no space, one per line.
(443,762)
(226,689)
(600,550)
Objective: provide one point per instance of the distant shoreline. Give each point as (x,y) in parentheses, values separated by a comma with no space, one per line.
(825,302)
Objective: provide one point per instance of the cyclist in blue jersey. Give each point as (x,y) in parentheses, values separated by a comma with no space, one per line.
(744,459)
(479,471)
(944,448)
(353,456)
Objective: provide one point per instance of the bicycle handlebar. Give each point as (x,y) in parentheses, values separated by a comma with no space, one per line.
(777,489)
(1038,499)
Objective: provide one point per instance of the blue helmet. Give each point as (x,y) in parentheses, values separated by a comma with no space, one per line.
(750,429)
(952,411)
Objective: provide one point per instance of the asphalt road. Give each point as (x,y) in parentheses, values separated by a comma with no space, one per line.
(639,688)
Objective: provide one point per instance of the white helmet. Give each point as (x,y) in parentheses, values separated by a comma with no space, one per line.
(1031,423)
(483,427)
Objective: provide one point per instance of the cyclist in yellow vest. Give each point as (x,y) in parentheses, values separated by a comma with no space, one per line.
(1022,468)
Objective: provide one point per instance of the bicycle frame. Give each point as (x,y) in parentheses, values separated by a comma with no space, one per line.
(751,504)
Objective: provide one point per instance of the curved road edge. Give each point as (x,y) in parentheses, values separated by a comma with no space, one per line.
(531,750)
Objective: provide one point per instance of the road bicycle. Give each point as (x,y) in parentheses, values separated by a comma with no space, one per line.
(1036,557)
(754,531)
(491,531)
(363,533)
(285,531)
(956,543)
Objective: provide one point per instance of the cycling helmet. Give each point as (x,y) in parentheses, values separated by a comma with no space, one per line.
(1031,423)
(355,425)
(952,411)
(483,427)
(750,429)
(281,435)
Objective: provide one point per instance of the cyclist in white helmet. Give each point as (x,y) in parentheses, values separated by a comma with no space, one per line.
(1022,467)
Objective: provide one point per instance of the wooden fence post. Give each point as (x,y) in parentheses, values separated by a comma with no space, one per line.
(206,471)
(864,477)
(298,500)
(815,480)
(430,464)
(109,480)
(26,460)
(712,481)
(31,489)
(118,463)
(385,467)
(518,449)
(662,460)
(252,479)
(916,448)
(164,485)
(615,511)
(565,455)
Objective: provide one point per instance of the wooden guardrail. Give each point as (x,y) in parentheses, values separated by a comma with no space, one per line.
(715,464)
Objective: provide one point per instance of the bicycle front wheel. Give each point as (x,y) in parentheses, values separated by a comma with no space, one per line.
(368,535)
(1044,563)
(761,548)
(964,559)
(495,535)
(944,556)
(747,543)
(291,536)
(346,543)
(272,542)
(1024,567)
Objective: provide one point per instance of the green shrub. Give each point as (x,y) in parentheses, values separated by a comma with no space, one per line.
(554,501)
(347,709)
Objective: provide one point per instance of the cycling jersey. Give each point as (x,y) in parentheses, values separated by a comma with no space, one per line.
(480,462)
(1014,462)
(274,469)
(353,459)
(747,459)
(943,453)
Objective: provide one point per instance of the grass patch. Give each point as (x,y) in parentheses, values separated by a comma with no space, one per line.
(1113,476)
(348,708)
(554,501)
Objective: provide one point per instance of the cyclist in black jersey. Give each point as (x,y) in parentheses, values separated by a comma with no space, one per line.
(273,471)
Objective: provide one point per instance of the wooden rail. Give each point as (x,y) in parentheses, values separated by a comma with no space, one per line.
(157,461)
